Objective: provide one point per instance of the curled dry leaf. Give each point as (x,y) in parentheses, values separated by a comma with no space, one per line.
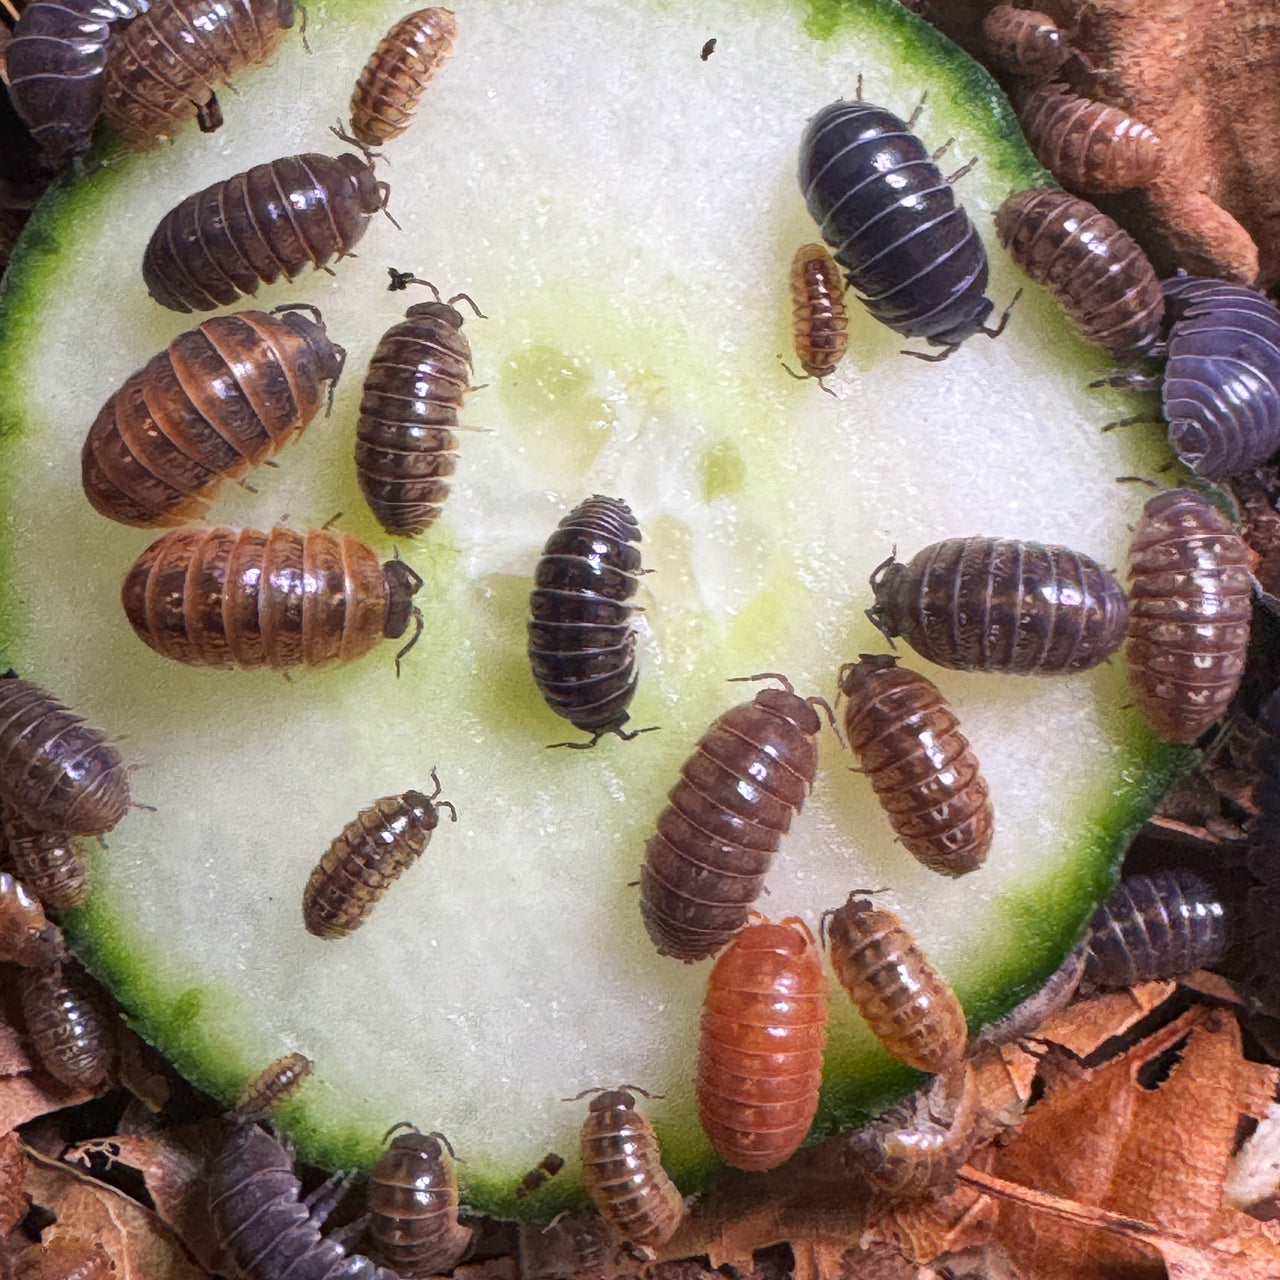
(1255,1172)
(14,1201)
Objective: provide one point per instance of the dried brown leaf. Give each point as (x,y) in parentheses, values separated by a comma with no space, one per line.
(63,1258)
(13,1198)
(1087,1025)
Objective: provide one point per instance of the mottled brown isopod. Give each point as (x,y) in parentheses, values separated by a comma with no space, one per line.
(764,1025)
(217,597)
(1191,593)
(920,765)
(51,865)
(67,1025)
(909,1005)
(821,323)
(396,75)
(370,852)
(267,1090)
(1024,41)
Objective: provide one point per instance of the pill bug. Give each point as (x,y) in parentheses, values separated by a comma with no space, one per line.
(581,641)
(1088,145)
(162,68)
(259,1223)
(56,772)
(406,448)
(54,69)
(396,75)
(995,604)
(212,596)
(907,1003)
(725,818)
(817,307)
(251,229)
(363,860)
(921,767)
(26,936)
(221,398)
(1190,605)
(893,223)
(1094,268)
(1154,927)
(413,1206)
(622,1170)
(67,1024)
(51,865)
(764,1024)
(1025,41)
(539,1175)
(272,1086)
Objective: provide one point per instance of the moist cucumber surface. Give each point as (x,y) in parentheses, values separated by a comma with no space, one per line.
(625,214)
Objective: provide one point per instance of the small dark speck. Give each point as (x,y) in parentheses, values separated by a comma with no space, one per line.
(708,49)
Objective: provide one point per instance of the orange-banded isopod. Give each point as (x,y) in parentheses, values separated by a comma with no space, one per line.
(764,1025)
(26,936)
(1024,41)
(370,852)
(51,865)
(817,307)
(1088,145)
(622,1171)
(920,765)
(907,1003)
(1190,606)
(56,772)
(271,1086)
(724,820)
(1094,268)
(212,596)
(396,75)
(413,1206)
(67,1025)
(218,400)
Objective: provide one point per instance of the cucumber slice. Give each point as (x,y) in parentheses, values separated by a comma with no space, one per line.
(625,213)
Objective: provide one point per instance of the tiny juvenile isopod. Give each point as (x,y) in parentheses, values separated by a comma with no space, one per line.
(1094,268)
(764,1025)
(907,1003)
(1190,606)
(622,1171)
(995,604)
(406,448)
(272,1086)
(817,307)
(51,865)
(212,596)
(163,67)
(26,936)
(923,771)
(396,75)
(370,852)
(413,1206)
(582,645)
(1088,145)
(1025,41)
(67,1025)
(724,820)
(269,222)
(57,773)
(220,399)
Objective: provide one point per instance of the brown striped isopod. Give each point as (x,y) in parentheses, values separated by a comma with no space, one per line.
(920,765)
(221,398)
(67,1025)
(1088,145)
(1093,267)
(211,596)
(907,1003)
(764,1025)
(56,772)
(413,1206)
(370,852)
(51,865)
(724,820)
(406,448)
(162,68)
(1190,605)
(272,1086)
(270,221)
(26,936)
(996,604)
(622,1170)
(396,75)
(820,321)
(1024,41)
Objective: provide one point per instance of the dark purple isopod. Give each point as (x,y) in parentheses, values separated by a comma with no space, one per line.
(893,223)
(220,244)
(258,1221)
(55,62)
(1154,927)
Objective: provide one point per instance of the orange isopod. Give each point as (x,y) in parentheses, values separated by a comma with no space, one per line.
(764,1025)
(817,308)
(26,936)
(1024,41)
(271,1086)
